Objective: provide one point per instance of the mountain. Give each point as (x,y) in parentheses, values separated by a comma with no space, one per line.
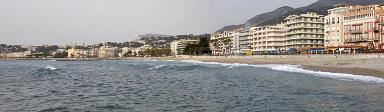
(278,15)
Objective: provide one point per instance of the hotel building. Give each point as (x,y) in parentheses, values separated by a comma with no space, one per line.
(304,31)
(333,37)
(268,39)
(362,27)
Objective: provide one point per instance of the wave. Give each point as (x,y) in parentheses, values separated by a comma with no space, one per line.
(298,69)
(156,67)
(50,68)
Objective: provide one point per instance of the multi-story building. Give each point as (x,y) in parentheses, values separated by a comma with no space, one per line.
(245,41)
(220,43)
(268,39)
(381,25)
(361,27)
(178,46)
(333,37)
(235,43)
(304,31)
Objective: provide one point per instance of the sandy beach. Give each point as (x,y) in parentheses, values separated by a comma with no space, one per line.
(361,64)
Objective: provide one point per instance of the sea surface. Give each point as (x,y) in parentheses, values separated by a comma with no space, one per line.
(181,86)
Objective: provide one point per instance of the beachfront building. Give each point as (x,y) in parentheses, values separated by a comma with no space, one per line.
(361,28)
(268,39)
(245,41)
(72,53)
(333,36)
(18,54)
(178,46)
(305,31)
(109,52)
(220,43)
(235,42)
(381,27)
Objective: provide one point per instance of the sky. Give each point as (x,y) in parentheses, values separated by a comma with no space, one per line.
(61,22)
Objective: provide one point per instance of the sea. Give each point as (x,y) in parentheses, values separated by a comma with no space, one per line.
(181,86)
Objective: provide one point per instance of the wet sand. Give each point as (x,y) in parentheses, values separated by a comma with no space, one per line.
(358,66)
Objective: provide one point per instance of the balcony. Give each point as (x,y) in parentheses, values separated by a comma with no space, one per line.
(355,31)
(305,43)
(361,39)
(299,38)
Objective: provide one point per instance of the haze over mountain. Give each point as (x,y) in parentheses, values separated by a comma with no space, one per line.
(278,15)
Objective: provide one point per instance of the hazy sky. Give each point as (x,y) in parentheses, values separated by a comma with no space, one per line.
(34,22)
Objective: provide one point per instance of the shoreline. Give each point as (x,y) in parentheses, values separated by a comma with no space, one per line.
(366,66)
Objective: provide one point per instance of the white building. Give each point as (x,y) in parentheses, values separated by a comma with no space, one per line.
(178,46)
(245,40)
(268,39)
(304,31)
(109,52)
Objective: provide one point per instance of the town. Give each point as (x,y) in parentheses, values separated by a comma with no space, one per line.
(346,29)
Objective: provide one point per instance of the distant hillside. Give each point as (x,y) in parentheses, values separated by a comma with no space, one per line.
(279,14)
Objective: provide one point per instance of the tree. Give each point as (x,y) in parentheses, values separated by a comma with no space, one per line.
(227,43)
(61,55)
(128,54)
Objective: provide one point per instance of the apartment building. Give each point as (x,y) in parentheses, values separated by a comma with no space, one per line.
(362,27)
(268,39)
(178,46)
(245,41)
(304,31)
(333,36)
(235,42)
(220,43)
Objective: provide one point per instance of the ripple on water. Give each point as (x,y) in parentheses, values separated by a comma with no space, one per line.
(177,86)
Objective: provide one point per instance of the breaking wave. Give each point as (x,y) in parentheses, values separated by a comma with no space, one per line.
(298,69)
(50,68)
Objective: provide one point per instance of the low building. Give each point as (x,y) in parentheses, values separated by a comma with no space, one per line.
(18,54)
(72,53)
(109,52)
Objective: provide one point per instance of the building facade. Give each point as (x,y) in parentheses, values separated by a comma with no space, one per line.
(178,46)
(268,39)
(304,31)
(220,43)
(362,27)
(333,36)
(245,41)
(109,52)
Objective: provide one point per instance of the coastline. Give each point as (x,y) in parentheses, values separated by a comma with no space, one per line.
(357,64)
(366,66)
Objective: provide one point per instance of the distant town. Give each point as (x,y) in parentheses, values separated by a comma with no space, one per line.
(346,29)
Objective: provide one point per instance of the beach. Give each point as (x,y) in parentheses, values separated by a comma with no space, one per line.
(358,64)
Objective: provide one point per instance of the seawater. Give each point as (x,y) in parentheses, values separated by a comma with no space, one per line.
(146,86)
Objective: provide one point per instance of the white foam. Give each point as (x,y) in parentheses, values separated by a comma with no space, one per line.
(156,67)
(50,68)
(299,69)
